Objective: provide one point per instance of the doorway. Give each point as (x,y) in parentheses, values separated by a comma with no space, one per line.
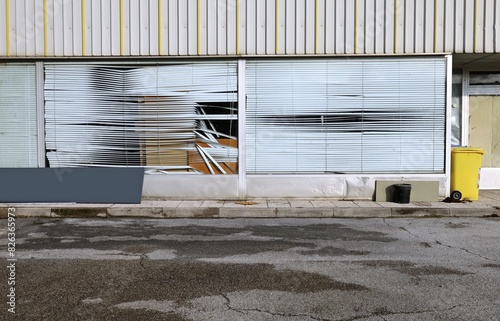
(484,132)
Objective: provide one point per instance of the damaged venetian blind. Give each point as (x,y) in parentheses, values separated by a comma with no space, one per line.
(18,120)
(360,115)
(171,118)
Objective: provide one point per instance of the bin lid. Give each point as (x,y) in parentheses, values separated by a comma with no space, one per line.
(469,150)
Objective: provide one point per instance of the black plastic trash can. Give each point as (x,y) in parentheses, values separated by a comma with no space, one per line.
(402,193)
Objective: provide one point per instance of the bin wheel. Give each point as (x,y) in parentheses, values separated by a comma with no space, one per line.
(456,195)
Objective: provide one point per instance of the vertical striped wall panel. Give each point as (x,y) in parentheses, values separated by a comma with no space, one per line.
(75,28)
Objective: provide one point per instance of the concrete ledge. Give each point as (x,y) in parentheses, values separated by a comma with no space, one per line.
(150,212)
(304,212)
(247,212)
(419,212)
(167,209)
(362,212)
(33,212)
(194,212)
(478,212)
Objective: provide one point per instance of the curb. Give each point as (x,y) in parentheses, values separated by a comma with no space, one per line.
(247,212)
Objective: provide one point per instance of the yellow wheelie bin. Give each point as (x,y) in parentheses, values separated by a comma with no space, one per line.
(465,167)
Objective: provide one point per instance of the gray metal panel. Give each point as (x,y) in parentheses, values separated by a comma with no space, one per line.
(449,25)
(349,27)
(300,30)
(339,27)
(409,26)
(192,30)
(81,185)
(469,27)
(439,17)
(399,26)
(310,24)
(330,21)
(489,25)
(3,29)
(419,25)
(251,27)
(76,28)
(389,26)
(497,26)
(429,26)
(359,28)
(370,27)
(459,25)
(261,27)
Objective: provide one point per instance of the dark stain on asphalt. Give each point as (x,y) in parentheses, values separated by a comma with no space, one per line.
(146,237)
(425,244)
(456,225)
(491,265)
(321,232)
(147,229)
(412,269)
(65,284)
(186,249)
(332,251)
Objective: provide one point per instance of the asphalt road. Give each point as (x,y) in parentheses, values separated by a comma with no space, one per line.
(251,269)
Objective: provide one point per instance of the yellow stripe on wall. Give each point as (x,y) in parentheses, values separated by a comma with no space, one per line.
(7,26)
(122,23)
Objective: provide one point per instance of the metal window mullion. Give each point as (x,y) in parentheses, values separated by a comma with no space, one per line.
(465,108)
(40,112)
(242,168)
(448,91)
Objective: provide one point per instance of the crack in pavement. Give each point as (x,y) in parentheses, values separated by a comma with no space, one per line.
(442,244)
(467,251)
(143,257)
(288,315)
(389,313)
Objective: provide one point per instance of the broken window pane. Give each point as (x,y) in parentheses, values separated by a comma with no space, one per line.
(167,118)
(354,115)
(482,78)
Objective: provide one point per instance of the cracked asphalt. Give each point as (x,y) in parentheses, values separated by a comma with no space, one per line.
(254,269)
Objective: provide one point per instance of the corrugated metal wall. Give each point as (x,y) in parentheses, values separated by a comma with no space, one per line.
(246,27)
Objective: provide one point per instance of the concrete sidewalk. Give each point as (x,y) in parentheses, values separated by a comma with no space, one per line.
(488,205)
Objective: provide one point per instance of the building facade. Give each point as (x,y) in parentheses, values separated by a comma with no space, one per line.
(252,98)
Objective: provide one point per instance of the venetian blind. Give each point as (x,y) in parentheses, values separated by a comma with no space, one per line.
(18,121)
(357,115)
(164,117)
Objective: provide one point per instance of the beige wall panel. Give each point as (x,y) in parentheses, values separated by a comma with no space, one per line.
(481,125)
(495,140)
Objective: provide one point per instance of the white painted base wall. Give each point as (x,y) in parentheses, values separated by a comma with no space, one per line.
(489,178)
(216,187)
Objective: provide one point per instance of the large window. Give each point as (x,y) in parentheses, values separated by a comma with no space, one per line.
(167,118)
(353,115)
(18,120)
